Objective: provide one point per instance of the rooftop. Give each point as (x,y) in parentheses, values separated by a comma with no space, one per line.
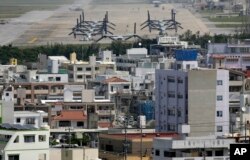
(138,135)
(114,79)
(71,115)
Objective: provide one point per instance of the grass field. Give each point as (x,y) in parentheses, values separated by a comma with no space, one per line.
(228,25)
(227,19)
(14,8)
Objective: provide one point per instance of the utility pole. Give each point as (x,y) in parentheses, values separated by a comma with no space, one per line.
(69,134)
(125,140)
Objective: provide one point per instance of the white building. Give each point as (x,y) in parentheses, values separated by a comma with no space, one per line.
(36,119)
(191,148)
(20,143)
(183,96)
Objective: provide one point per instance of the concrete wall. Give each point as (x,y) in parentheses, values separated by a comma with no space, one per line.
(201,101)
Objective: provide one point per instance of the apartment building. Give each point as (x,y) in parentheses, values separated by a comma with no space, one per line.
(199,97)
(195,148)
(208,102)
(171,99)
(233,55)
(21,143)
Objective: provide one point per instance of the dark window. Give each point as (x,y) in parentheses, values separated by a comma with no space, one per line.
(79,68)
(88,76)
(180,80)
(29,138)
(219,128)
(79,76)
(58,78)
(6,94)
(169,154)
(126,87)
(42,138)
(209,153)
(171,79)
(219,113)
(30,120)
(13,157)
(88,69)
(157,152)
(64,124)
(80,124)
(219,98)
(219,82)
(96,68)
(219,153)
(109,148)
(18,120)
(16,140)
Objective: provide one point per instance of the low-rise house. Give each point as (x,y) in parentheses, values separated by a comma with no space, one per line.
(70,118)
(36,119)
(23,143)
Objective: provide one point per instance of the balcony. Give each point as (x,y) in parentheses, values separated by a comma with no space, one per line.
(105,112)
(235,83)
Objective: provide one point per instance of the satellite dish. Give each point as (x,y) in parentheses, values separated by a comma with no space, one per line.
(243,109)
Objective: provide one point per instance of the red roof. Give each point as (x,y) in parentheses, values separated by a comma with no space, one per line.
(104,124)
(114,79)
(72,115)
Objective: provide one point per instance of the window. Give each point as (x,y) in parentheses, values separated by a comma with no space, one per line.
(171,79)
(96,68)
(171,94)
(88,69)
(13,157)
(79,76)
(219,98)
(180,80)
(58,78)
(51,78)
(18,120)
(219,153)
(30,120)
(157,152)
(80,124)
(179,113)
(29,138)
(171,127)
(79,68)
(6,94)
(16,140)
(219,128)
(171,112)
(219,113)
(169,154)
(180,96)
(219,82)
(64,124)
(126,87)
(88,76)
(42,138)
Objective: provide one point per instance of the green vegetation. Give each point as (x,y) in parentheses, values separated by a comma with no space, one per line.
(228,25)
(29,54)
(227,19)
(14,8)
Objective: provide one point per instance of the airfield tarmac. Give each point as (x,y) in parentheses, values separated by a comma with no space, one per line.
(48,27)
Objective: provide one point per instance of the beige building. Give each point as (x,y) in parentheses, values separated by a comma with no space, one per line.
(74,154)
(112,145)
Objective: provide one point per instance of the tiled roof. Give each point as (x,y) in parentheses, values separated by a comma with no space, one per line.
(104,124)
(115,79)
(71,115)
